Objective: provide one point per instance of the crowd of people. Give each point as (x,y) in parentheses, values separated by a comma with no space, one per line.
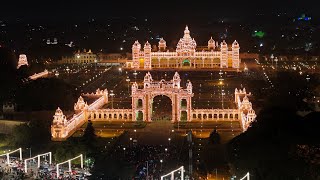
(15,170)
(150,161)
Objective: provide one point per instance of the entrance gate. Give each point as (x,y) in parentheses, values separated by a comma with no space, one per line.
(180,98)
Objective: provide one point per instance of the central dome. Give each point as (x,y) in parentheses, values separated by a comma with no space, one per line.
(186,45)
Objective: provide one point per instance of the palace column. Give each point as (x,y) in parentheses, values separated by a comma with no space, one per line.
(174,107)
(189,108)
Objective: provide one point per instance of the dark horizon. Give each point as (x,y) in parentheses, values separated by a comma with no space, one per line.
(180,10)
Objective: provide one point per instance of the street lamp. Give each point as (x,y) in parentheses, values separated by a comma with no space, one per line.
(95,63)
(128,80)
(161,164)
(272,58)
(29,151)
(111,94)
(147,169)
(135,75)
(221,84)
(124,151)
(169,139)
(276,60)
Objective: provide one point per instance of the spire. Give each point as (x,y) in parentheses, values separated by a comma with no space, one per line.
(186,33)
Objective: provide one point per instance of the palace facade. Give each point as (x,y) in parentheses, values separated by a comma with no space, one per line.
(186,55)
(142,105)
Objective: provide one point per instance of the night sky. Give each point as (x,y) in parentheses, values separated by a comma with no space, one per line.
(54,9)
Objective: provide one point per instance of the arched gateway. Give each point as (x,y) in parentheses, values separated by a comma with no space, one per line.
(180,98)
(141,110)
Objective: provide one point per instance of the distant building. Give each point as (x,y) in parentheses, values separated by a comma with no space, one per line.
(8,107)
(80,58)
(55,41)
(113,58)
(22,60)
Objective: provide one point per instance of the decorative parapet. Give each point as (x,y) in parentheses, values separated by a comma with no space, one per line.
(39,75)
(98,93)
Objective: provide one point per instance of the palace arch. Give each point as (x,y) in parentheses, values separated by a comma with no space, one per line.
(180,98)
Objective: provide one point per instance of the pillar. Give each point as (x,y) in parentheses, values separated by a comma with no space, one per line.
(57,169)
(25,166)
(69,163)
(81,158)
(20,154)
(50,158)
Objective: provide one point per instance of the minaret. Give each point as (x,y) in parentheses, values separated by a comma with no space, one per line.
(136,47)
(147,55)
(224,55)
(235,55)
(22,60)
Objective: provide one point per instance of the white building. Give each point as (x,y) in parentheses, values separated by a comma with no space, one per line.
(22,60)
(80,57)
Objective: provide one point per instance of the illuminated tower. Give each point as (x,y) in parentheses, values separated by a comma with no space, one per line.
(80,105)
(211,44)
(147,55)
(235,55)
(162,45)
(176,80)
(147,80)
(136,47)
(224,55)
(22,60)
(59,125)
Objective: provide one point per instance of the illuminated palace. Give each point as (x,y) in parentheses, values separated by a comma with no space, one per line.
(185,55)
(142,102)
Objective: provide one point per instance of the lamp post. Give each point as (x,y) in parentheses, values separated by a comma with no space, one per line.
(120,70)
(276,60)
(128,80)
(272,59)
(111,94)
(95,63)
(169,139)
(147,169)
(29,151)
(222,90)
(135,75)
(161,164)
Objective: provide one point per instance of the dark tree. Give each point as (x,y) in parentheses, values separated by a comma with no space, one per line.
(214,137)
(46,94)
(8,74)
(89,136)
(89,132)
